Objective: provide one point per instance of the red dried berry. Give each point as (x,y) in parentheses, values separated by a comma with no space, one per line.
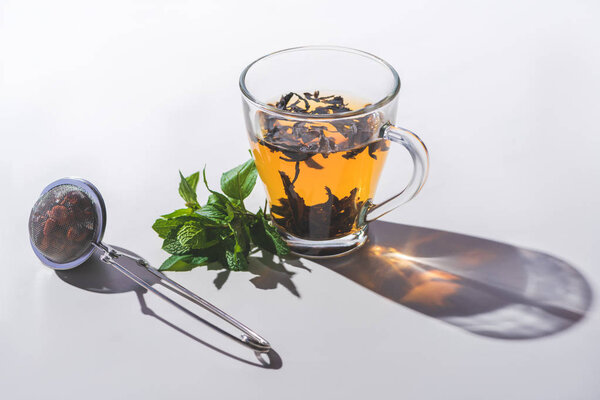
(60,214)
(50,226)
(84,201)
(72,198)
(76,234)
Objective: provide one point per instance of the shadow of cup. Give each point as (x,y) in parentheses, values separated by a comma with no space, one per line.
(482,286)
(96,276)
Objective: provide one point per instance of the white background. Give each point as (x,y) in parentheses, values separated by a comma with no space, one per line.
(125,93)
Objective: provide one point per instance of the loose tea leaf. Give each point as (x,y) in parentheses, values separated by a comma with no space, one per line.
(333,218)
(300,142)
(220,231)
(303,140)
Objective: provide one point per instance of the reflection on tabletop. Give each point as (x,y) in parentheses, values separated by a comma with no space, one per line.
(484,287)
(96,276)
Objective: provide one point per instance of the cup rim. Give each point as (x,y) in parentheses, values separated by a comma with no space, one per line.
(359,112)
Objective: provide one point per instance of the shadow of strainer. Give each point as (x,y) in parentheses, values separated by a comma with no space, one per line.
(66,226)
(96,276)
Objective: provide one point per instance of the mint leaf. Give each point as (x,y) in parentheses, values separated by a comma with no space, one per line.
(242,241)
(222,202)
(187,189)
(200,260)
(192,180)
(220,232)
(165,226)
(266,236)
(179,213)
(190,233)
(281,247)
(215,213)
(177,263)
(236,261)
(183,262)
(238,182)
(206,182)
(173,246)
(194,236)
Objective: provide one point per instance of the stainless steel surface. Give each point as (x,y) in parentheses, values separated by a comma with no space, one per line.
(249,337)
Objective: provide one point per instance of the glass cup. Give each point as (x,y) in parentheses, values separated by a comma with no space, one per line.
(319,123)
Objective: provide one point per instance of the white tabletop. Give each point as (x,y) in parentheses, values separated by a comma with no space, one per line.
(480,288)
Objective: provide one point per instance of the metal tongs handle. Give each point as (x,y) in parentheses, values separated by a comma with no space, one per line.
(249,337)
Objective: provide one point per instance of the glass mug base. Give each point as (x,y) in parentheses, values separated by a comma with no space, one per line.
(325,248)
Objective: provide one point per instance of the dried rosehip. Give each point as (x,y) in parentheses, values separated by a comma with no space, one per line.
(60,214)
(77,234)
(62,223)
(50,226)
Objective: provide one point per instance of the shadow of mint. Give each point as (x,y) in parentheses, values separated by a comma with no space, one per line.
(270,272)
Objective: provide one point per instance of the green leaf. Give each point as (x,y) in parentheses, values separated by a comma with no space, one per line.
(238,182)
(183,262)
(266,236)
(187,192)
(242,241)
(236,261)
(190,232)
(164,227)
(177,263)
(179,213)
(218,199)
(281,247)
(206,182)
(201,260)
(194,236)
(203,220)
(223,203)
(215,213)
(192,180)
(173,246)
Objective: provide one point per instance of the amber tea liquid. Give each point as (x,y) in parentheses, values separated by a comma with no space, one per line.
(319,175)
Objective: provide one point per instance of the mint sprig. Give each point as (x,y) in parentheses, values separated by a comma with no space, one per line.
(222,230)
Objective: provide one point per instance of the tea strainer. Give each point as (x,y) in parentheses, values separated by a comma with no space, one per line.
(66,226)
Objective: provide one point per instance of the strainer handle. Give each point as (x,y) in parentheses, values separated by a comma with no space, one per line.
(249,337)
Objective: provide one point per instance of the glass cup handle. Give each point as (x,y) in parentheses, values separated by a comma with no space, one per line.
(420,157)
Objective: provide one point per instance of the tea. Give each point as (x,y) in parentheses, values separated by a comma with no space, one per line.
(319,175)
